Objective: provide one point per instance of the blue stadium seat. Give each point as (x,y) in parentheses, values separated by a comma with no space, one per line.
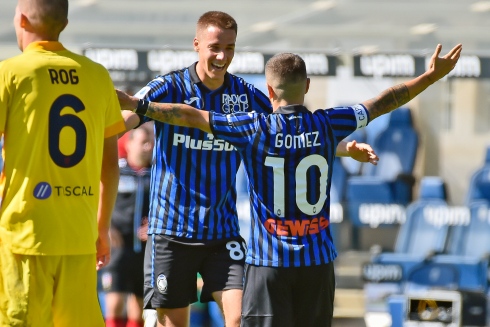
(392,180)
(468,247)
(343,168)
(479,187)
(422,235)
(433,275)
(339,180)
(418,239)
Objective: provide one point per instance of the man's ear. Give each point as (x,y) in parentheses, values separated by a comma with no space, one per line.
(271,92)
(23,21)
(196,44)
(307,85)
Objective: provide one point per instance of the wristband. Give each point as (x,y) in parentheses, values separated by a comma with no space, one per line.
(142,107)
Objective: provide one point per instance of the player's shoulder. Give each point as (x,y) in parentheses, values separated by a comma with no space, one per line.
(14,61)
(172,79)
(239,80)
(172,74)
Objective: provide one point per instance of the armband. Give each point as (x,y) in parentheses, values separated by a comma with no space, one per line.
(142,107)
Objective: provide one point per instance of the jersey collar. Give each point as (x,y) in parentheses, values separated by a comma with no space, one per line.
(196,80)
(45,45)
(291,109)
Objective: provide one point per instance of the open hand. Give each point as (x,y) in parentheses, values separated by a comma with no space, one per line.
(441,66)
(362,152)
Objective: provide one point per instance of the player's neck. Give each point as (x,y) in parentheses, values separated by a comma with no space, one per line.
(212,83)
(29,38)
(276,103)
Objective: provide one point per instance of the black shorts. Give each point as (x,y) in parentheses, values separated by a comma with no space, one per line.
(287,297)
(124,273)
(171,270)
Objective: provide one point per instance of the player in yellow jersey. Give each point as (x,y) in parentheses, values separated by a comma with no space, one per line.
(60,118)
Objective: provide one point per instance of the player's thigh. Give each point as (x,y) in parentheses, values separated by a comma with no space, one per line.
(24,285)
(170,273)
(223,268)
(267,297)
(313,296)
(75,300)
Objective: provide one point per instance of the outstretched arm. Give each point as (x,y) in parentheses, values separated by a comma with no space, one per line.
(398,95)
(361,152)
(172,113)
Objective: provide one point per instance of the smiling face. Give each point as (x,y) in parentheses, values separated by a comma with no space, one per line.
(216,48)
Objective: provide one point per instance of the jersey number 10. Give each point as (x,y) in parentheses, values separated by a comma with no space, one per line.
(301,178)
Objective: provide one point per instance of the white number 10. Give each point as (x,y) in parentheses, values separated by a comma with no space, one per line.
(277,165)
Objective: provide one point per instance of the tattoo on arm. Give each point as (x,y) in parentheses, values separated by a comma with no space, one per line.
(388,100)
(179,114)
(167,113)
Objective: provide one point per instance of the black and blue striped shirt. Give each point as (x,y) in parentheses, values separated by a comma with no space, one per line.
(193,193)
(288,157)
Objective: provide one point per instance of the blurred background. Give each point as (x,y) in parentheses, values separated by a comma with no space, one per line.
(354,49)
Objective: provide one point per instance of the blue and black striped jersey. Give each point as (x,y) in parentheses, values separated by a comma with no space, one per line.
(193,193)
(288,157)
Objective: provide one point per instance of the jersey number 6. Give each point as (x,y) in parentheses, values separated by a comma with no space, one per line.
(57,122)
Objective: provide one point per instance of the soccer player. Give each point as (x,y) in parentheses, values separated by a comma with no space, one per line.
(60,118)
(288,157)
(122,278)
(193,223)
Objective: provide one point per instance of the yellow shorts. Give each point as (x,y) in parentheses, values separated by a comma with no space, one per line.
(48,291)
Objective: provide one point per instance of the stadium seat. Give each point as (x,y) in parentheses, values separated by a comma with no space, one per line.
(433,275)
(479,187)
(418,239)
(423,234)
(343,168)
(468,248)
(392,180)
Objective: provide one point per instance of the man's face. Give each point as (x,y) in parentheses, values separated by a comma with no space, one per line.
(216,48)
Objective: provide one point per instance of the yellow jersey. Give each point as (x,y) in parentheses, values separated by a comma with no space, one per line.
(56,108)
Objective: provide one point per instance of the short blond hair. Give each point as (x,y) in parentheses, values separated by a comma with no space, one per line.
(46,16)
(286,74)
(217,18)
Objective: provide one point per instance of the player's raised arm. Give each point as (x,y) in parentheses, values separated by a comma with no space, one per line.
(398,95)
(170,113)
